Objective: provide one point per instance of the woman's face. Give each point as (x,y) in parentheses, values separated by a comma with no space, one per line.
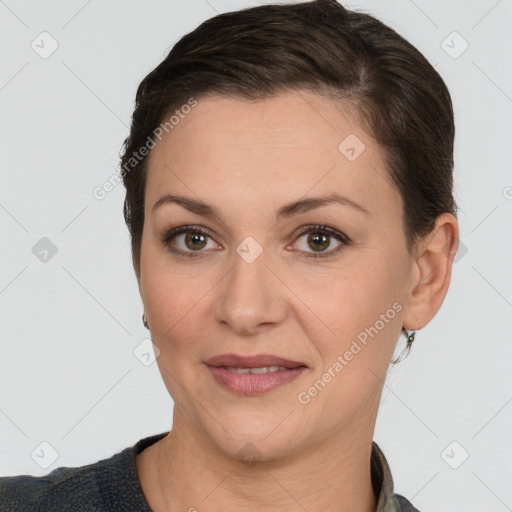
(264,278)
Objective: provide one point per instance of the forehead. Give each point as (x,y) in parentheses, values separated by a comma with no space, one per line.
(279,148)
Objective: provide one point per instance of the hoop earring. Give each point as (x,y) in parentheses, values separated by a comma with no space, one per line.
(144,321)
(409,341)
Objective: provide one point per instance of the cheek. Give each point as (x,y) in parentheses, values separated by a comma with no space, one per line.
(361,309)
(171,300)
(177,308)
(166,290)
(363,312)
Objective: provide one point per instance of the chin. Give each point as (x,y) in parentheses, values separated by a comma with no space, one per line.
(249,440)
(251,450)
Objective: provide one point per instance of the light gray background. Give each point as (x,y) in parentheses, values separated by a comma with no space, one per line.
(68,375)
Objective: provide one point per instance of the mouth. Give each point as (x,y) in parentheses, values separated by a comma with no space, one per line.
(257,361)
(255,371)
(253,375)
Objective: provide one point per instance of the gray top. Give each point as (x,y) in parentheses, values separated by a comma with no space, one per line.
(113,485)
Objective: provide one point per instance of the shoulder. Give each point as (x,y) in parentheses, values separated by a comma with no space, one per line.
(65,488)
(109,484)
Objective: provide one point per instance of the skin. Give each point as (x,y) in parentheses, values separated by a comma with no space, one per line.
(247,159)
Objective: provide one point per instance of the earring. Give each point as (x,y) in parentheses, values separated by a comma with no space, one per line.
(144,321)
(410,337)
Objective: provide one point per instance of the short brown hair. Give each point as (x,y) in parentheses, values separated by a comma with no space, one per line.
(320,46)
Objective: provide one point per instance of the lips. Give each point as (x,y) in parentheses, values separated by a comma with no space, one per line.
(257,361)
(232,372)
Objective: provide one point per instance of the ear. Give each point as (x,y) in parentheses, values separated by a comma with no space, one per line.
(431,273)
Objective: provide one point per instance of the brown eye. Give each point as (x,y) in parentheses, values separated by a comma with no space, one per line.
(189,241)
(320,241)
(195,241)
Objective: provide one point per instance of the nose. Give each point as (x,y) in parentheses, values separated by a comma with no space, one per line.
(251,299)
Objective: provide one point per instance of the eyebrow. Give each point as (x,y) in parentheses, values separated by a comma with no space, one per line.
(288,210)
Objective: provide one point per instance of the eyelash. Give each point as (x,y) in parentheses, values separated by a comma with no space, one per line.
(316,229)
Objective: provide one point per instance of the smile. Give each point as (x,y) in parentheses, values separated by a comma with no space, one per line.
(263,369)
(254,381)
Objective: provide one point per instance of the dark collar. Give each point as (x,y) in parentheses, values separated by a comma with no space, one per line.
(382,480)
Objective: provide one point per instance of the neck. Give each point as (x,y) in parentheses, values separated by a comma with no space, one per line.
(192,473)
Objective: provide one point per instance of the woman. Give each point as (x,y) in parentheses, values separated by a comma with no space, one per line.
(289,199)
